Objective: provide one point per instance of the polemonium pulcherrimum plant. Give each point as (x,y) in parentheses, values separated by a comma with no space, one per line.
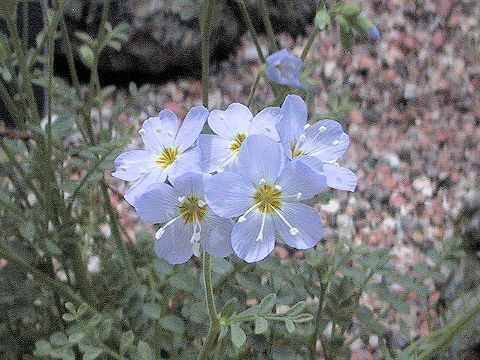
(168,153)
(284,69)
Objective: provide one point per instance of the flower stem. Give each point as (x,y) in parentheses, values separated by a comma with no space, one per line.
(212,311)
(268,25)
(318,321)
(248,20)
(311,38)
(254,87)
(205,28)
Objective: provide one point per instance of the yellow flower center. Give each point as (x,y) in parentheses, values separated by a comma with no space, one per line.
(167,157)
(296,151)
(193,209)
(237,142)
(269,198)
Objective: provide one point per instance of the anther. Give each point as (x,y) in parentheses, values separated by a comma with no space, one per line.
(278,187)
(221,116)
(322,129)
(169,133)
(143,172)
(158,130)
(241,219)
(306,126)
(303,138)
(123,168)
(159,233)
(268,129)
(299,195)
(262,181)
(220,169)
(294,231)
(335,142)
(182,198)
(141,131)
(195,238)
(201,203)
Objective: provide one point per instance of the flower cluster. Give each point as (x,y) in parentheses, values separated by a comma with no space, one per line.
(238,188)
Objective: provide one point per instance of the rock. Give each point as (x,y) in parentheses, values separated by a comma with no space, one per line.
(164,38)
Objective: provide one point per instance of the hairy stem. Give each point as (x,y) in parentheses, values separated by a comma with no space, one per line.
(248,21)
(318,322)
(205,27)
(268,25)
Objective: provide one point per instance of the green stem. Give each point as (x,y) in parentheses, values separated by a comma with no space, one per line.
(248,21)
(212,311)
(205,26)
(318,322)
(117,236)
(254,87)
(311,38)
(268,25)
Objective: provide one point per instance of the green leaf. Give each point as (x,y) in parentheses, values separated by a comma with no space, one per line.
(106,328)
(76,337)
(302,318)
(268,302)
(229,308)
(322,20)
(58,339)
(290,325)
(349,9)
(92,353)
(346,34)
(221,266)
(144,351)
(126,340)
(238,335)
(68,317)
(87,56)
(296,309)
(152,310)
(173,323)
(261,325)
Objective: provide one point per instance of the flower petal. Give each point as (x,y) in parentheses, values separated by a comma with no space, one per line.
(216,235)
(188,184)
(231,122)
(157,175)
(277,57)
(133,164)
(326,140)
(189,161)
(159,132)
(174,246)
(215,151)
(264,123)
(305,219)
(244,237)
(260,157)
(294,118)
(229,194)
(158,204)
(340,178)
(191,127)
(300,182)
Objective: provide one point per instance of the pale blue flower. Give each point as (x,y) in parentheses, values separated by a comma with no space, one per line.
(233,126)
(374,33)
(167,153)
(284,69)
(265,194)
(318,145)
(188,221)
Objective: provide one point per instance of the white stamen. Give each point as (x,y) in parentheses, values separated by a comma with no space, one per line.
(169,133)
(322,129)
(241,219)
(123,168)
(306,126)
(260,234)
(161,231)
(335,143)
(268,129)
(196,249)
(201,203)
(299,195)
(158,130)
(262,181)
(278,187)
(303,138)
(141,131)
(293,230)
(181,199)
(197,229)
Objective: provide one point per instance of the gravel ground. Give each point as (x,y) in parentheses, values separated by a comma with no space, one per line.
(415,136)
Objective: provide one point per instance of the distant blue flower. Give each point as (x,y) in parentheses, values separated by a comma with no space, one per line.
(166,154)
(284,69)
(374,33)
(318,145)
(264,193)
(233,126)
(188,221)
